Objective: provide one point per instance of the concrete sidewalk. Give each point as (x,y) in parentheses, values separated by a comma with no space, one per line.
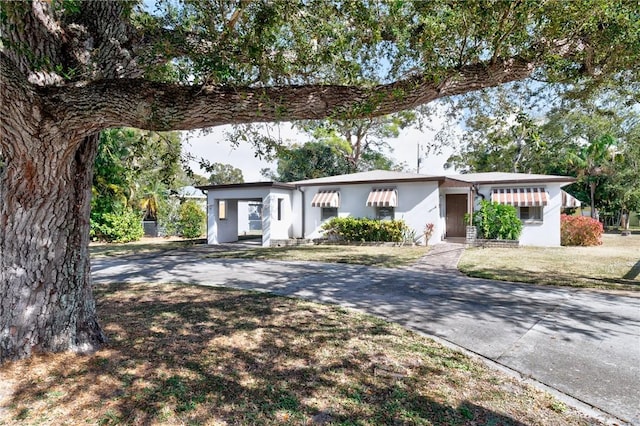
(584,344)
(441,257)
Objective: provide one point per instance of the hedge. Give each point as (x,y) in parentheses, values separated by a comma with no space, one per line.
(580,231)
(366,230)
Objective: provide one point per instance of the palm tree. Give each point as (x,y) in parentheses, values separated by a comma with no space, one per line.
(593,161)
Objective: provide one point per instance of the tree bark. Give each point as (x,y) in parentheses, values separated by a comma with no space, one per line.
(46,302)
(165,107)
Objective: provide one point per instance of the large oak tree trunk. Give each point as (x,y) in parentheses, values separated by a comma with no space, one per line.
(46,302)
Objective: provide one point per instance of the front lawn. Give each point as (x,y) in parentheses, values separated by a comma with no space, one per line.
(145,246)
(382,256)
(198,355)
(613,265)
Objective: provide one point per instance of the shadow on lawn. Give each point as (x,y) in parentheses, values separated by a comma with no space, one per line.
(195,355)
(627,282)
(633,272)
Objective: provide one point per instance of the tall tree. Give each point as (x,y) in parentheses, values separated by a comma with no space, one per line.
(311,160)
(224,173)
(133,168)
(365,139)
(71,68)
(594,140)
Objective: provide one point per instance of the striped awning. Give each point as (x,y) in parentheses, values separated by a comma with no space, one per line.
(383,198)
(520,197)
(569,201)
(326,199)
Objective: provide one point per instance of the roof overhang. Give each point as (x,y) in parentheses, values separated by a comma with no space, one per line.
(373,181)
(565,180)
(252,185)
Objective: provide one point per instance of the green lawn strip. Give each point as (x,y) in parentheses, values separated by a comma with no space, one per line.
(198,355)
(613,265)
(381,256)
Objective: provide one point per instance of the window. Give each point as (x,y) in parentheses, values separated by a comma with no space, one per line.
(280,208)
(530,214)
(222,209)
(385,213)
(328,213)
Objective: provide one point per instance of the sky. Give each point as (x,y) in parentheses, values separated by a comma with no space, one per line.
(213,147)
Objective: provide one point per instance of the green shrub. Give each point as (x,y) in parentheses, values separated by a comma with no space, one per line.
(117,227)
(497,221)
(580,231)
(191,220)
(366,230)
(168,217)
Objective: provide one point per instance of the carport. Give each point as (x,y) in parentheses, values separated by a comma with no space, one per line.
(222,210)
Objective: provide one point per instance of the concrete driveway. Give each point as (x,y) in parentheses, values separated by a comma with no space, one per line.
(584,344)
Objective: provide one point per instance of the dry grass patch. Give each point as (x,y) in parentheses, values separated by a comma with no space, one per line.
(197,355)
(613,265)
(143,246)
(382,256)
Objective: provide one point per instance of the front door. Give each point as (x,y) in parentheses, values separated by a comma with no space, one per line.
(456,209)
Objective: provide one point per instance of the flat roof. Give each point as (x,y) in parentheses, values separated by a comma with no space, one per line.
(248,185)
(386,176)
(369,177)
(508,178)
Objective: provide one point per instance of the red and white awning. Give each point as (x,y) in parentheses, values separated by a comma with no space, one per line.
(520,197)
(383,198)
(326,199)
(569,201)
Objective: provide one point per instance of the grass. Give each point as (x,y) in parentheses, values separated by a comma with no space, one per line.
(144,246)
(198,355)
(613,265)
(381,256)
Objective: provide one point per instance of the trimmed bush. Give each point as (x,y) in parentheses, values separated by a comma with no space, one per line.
(191,220)
(117,227)
(497,221)
(580,231)
(366,230)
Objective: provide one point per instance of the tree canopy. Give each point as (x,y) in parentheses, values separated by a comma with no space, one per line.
(71,68)
(596,140)
(221,173)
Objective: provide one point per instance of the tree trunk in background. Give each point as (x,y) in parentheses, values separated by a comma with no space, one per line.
(592,190)
(46,302)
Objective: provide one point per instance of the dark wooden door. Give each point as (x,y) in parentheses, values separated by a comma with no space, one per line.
(456,208)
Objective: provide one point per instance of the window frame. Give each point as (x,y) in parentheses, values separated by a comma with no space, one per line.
(392,210)
(537,217)
(222,209)
(324,217)
(280,209)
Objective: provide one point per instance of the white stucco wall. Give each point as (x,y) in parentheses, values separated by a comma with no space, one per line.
(272,227)
(296,213)
(223,231)
(417,205)
(228,228)
(542,234)
(243,217)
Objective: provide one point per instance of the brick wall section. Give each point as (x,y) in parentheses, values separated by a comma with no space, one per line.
(495,243)
(472,240)
(291,242)
(472,234)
